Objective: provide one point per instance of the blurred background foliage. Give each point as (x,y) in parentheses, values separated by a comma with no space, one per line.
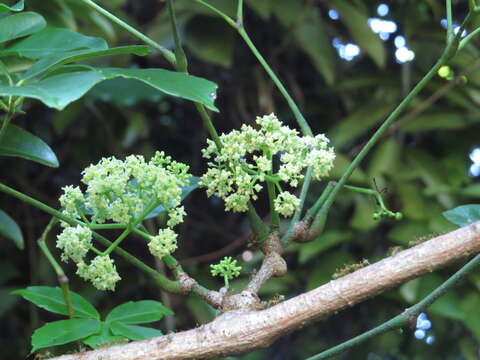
(346,78)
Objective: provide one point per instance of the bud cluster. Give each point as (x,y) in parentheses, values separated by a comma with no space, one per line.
(245,161)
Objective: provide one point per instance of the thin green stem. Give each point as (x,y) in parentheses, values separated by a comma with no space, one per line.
(143,234)
(319,202)
(448,6)
(62,278)
(259,228)
(402,319)
(208,124)
(5,122)
(165,283)
(173,265)
(152,205)
(467,38)
(361,190)
(167,54)
(240,12)
(271,201)
(298,213)
(107,226)
(181,60)
(220,13)
(291,103)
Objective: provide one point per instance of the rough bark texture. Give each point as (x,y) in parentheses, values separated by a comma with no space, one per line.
(240,331)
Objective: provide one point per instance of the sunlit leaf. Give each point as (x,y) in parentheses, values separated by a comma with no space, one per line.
(10,230)
(20,143)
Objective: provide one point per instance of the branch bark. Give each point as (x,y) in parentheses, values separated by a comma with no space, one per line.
(240,331)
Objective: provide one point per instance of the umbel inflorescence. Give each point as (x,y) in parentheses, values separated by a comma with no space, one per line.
(246,160)
(121,192)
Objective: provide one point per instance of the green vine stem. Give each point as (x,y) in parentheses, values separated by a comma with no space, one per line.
(167,54)
(152,205)
(165,283)
(5,122)
(180,58)
(448,7)
(273,212)
(401,320)
(62,278)
(298,213)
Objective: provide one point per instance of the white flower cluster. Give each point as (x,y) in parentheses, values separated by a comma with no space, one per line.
(245,160)
(164,243)
(119,192)
(101,272)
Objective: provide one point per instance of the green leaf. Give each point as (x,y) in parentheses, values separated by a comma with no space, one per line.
(171,83)
(51,299)
(448,305)
(312,38)
(357,24)
(406,232)
(16,7)
(263,8)
(359,122)
(185,192)
(134,332)
(463,215)
(104,340)
(57,91)
(18,25)
(50,62)
(63,331)
(20,143)
(10,229)
(324,242)
(469,306)
(341,164)
(138,312)
(51,41)
(214,44)
(124,92)
(436,120)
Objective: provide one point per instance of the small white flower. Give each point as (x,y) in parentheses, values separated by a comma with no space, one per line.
(164,243)
(101,272)
(74,243)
